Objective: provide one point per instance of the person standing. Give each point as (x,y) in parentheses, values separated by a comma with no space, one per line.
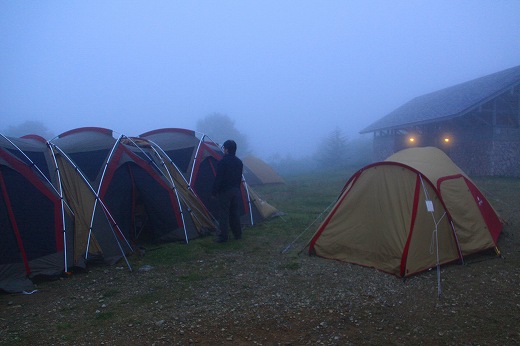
(226,189)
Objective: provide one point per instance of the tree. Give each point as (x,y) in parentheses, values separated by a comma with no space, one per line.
(333,150)
(360,151)
(30,127)
(288,165)
(220,127)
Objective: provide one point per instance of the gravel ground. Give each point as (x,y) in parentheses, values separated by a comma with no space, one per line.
(251,294)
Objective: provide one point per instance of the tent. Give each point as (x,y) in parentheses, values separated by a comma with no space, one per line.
(46,208)
(87,195)
(258,172)
(407,214)
(35,226)
(146,202)
(196,157)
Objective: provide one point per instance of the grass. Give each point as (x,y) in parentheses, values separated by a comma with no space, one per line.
(110,292)
(64,326)
(104,316)
(192,277)
(502,194)
(310,192)
(146,298)
(303,200)
(169,254)
(291,266)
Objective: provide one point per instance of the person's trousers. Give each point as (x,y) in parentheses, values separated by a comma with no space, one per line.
(229,213)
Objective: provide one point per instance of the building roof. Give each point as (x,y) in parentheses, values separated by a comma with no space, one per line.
(448,103)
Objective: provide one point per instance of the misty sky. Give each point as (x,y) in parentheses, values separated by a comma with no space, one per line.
(287,72)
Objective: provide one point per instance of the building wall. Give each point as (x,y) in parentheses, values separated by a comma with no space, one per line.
(488,153)
(506,153)
(473,156)
(383,146)
(477,152)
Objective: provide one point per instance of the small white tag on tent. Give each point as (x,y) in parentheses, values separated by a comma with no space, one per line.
(429,206)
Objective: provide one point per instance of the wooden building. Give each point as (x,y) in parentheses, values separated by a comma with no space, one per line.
(476,123)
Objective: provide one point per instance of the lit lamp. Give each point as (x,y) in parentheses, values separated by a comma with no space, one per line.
(411,139)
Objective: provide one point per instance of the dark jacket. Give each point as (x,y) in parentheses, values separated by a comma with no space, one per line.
(229,174)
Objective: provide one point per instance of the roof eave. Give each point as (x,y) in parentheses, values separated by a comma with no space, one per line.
(433,120)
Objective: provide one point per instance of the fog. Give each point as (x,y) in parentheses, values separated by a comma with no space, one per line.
(287,72)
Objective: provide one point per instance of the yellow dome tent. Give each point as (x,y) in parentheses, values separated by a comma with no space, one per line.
(391,215)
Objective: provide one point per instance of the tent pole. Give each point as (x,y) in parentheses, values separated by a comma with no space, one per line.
(160,151)
(174,188)
(97,194)
(439,290)
(108,162)
(171,180)
(188,183)
(105,209)
(248,200)
(195,159)
(32,164)
(435,235)
(58,192)
(62,207)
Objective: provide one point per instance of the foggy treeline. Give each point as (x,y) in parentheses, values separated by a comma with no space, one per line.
(220,127)
(28,128)
(335,151)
